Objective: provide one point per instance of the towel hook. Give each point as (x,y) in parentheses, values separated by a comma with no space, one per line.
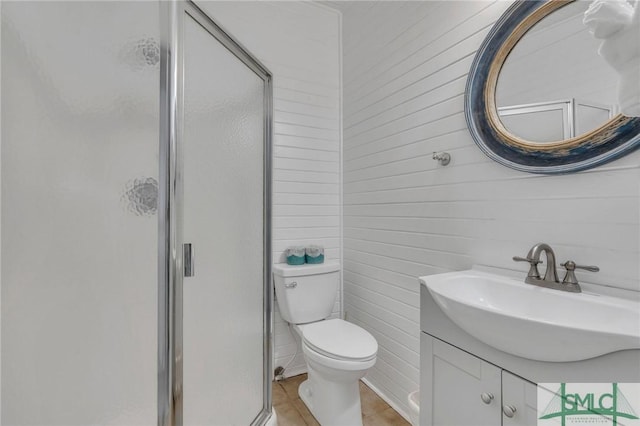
(443,158)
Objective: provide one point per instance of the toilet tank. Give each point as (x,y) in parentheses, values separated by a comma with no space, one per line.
(306,293)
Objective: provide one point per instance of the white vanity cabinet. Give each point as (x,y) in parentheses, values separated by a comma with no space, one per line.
(464,390)
(519,398)
(459,372)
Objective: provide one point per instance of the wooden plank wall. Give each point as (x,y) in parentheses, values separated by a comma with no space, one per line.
(405,66)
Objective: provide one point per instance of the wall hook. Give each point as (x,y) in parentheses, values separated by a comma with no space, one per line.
(443,158)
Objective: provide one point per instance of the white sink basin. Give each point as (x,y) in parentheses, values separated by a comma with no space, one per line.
(534,322)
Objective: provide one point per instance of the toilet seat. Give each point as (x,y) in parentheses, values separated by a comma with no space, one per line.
(337,365)
(339,340)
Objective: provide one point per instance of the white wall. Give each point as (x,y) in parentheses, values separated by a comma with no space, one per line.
(405,69)
(299,42)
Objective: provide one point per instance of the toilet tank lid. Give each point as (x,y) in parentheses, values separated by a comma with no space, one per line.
(284,270)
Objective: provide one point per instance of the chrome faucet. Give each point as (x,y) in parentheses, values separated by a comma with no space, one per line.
(550,274)
(550,279)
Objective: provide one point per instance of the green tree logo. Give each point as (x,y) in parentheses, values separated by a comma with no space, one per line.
(610,405)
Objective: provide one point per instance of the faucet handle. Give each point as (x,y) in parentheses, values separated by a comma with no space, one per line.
(570,266)
(533,269)
(526,259)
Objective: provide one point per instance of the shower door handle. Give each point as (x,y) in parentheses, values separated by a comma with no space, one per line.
(187,258)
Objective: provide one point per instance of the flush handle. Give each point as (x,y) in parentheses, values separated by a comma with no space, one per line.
(293,284)
(187,257)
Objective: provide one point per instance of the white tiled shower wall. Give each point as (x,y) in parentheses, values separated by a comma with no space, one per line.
(299,42)
(405,69)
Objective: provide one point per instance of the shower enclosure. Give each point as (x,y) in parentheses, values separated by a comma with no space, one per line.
(135,228)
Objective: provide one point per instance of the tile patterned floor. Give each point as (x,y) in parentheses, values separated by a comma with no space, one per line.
(292,411)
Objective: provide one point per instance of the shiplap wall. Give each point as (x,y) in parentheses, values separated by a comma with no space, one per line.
(299,42)
(405,68)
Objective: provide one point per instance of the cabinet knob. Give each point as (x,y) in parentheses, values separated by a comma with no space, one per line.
(509,410)
(486,397)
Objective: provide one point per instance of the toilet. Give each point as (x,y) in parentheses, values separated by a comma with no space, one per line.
(338,353)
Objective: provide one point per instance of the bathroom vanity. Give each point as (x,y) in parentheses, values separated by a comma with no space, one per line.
(465,381)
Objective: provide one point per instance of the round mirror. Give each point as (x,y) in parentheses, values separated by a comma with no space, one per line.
(539,96)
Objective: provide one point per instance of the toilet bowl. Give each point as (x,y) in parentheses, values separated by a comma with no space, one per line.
(337,353)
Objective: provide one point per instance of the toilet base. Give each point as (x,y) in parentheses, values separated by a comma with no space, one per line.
(332,403)
(332,390)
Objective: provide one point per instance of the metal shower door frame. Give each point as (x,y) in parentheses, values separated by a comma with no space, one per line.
(170,208)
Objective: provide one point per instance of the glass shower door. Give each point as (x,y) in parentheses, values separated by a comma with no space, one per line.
(124,137)
(80,138)
(223,151)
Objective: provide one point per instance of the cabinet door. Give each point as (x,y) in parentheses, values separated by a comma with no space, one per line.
(459,389)
(519,399)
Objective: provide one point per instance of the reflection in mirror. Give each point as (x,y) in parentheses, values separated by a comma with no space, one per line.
(553,85)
